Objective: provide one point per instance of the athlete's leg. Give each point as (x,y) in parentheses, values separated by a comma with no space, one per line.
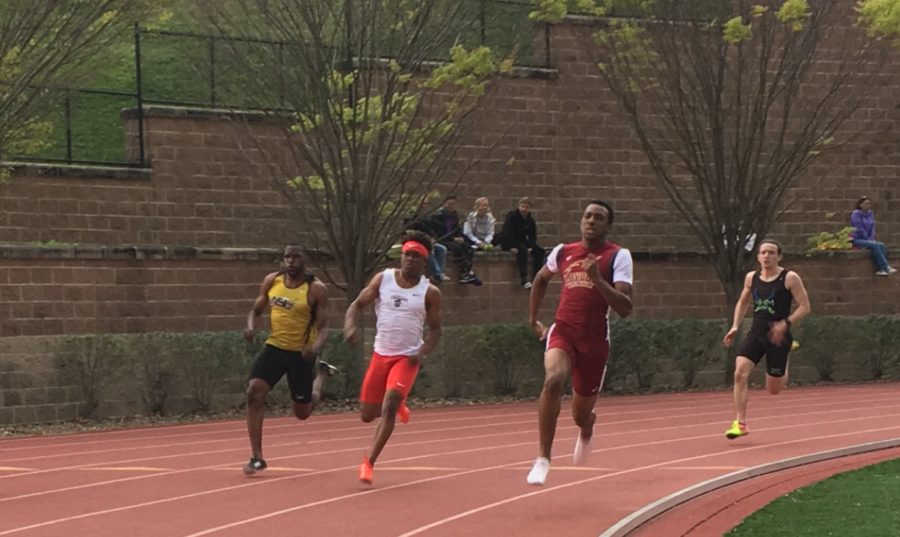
(256,409)
(302,379)
(557,367)
(372,392)
(583,414)
(777,367)
(743,366)
(385,427)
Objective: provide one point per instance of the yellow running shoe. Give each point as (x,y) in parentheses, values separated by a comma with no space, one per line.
(737,429)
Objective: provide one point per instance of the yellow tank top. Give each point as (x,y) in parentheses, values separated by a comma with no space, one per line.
(290,316)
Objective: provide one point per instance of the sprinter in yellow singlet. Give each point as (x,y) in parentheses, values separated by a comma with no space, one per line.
(297,304)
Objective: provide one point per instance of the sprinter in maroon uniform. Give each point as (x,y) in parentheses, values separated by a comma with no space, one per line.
(597,276)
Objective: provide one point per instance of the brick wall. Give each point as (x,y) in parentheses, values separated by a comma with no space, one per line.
(136,290)
(48,294)
(560,139)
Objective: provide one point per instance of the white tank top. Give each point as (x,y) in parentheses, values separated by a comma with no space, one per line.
(400,317)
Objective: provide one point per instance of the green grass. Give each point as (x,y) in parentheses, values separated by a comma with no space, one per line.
(861,503)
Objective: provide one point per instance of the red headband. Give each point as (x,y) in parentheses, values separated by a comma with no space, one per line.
(415,246)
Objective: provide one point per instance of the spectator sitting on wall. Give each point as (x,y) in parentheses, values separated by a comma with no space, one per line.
(519,236)
(479,227)
(419,221)
(449,233)
(863,221)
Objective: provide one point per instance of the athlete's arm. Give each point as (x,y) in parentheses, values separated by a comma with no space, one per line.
(538,290)
(366,296)
(617,295)
(318,295)
(794,284)
(740,310)
(433,300)
(259,306)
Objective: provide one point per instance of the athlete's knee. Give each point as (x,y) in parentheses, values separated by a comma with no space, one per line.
(583,418)
(391,403)
(369,412)
(256,394)
(774,385)
(302,411)
(554,381)
(741,376)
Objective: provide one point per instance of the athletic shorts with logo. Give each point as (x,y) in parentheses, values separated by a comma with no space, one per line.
(273,363)
(588,354)
(385,373)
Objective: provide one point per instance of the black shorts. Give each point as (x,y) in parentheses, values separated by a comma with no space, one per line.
(272,363)
(758,345)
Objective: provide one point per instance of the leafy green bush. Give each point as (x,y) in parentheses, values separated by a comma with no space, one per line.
(92,362)
(825,241)
(470,361)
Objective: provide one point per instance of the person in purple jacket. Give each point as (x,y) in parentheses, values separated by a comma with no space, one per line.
(863,221)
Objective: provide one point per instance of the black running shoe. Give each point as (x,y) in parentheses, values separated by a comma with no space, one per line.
(255,465)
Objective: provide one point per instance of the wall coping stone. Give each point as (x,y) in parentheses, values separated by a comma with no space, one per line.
(154,251)
(79,170)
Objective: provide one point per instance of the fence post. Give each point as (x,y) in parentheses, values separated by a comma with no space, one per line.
(547,61)
(212,70)
(280,54)
(67,106)
(482,19)
(139,93)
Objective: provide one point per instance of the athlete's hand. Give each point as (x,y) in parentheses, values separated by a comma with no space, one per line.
(539,330)
(352,335)
(729,337)
(590,266)
(310,354)
(415,360)
(249,334)
(777,332)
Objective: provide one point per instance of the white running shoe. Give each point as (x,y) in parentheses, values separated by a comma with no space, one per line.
(539,471)
(582,451)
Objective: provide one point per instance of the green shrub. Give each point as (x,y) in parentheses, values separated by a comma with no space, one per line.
(93,361)
(825,241)
(470,361)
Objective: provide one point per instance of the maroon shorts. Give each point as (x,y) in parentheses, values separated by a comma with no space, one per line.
(387,373)
(587,352)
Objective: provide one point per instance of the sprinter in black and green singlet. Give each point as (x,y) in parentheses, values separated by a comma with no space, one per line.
(770,291)
(297,304)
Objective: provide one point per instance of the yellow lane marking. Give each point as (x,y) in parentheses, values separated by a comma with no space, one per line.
(14,469)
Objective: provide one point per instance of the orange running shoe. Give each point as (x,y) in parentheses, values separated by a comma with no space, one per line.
(365,471)
(403,412)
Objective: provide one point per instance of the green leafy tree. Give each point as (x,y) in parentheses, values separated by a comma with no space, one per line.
(372,98)
(48,44)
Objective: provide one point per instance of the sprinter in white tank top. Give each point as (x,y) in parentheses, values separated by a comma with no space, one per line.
(404,302)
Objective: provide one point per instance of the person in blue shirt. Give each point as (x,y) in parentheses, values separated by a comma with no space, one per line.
(863,221)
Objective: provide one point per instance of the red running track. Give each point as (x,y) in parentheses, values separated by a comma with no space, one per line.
(451,471)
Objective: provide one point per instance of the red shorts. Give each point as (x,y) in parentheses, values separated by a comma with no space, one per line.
(588,354)
(387,373)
